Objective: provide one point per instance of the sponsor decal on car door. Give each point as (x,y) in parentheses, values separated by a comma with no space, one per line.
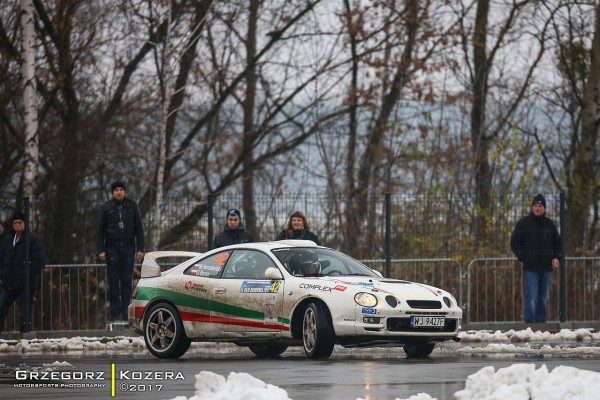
(243,300)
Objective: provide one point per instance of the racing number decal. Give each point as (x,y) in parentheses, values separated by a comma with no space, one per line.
(274,288)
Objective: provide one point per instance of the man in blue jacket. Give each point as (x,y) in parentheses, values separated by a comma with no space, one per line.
(536,243)
(12,268)
(234,231)
(119,239)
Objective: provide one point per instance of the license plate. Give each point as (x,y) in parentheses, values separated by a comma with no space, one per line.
(426,322)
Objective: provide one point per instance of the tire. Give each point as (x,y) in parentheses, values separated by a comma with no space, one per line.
(317,331)
(268,351)
(163,332)
(419,350)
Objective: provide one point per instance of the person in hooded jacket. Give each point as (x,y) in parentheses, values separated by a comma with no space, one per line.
(234,231)
(298,229)
(12,269)
(536,243)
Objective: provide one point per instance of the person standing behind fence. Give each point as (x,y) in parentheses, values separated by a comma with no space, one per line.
(12,269)
(119,239)
(298,229)
(536,243)
(234,231)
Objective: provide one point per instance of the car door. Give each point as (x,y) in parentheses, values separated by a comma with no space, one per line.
(200,280)
(243,299)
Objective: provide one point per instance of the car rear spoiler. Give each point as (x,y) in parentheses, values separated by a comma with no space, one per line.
(150,266)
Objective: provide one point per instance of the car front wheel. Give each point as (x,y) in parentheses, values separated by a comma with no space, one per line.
(317,331)
(419,350)
(163,332)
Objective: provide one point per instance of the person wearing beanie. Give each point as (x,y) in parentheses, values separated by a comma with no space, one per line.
(536,243)
(117,184)
(297,228)
(234,231)
(119,240)
(12,269)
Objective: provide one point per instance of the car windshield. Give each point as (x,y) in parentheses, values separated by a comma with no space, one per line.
(310,261)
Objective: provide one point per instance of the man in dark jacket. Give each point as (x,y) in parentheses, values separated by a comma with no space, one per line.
(120,238)
(536,243)
(12,269)
(234,232)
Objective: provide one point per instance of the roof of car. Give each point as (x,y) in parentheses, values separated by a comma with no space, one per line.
(273,244)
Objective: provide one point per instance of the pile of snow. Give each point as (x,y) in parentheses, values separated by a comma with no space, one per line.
(566,343)
(238,385)
(528,335)
(503,349)
(524,382)
(517,382)
(74,344)
(510,342)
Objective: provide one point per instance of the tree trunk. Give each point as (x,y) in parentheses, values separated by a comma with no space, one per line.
(582,185)
(249,128)
(31,154)
(352,227)
(165,70)
(479,141)
(373,152)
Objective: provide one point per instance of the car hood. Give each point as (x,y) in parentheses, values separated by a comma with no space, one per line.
(403,290)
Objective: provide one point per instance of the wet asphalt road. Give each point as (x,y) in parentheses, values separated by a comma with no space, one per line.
(348,374)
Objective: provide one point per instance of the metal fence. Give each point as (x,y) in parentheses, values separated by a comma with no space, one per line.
(74,296)
(68,297)
(495,290)
(427,239)
(417,226)
(444,273)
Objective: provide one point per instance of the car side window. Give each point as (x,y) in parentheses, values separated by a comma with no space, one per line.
(209,267)
(247,264)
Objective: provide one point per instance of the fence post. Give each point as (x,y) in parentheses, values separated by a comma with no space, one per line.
(563,265)
(211,202)
(388,227)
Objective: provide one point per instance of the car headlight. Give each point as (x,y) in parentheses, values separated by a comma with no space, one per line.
(450,300)
(447,301)
(365,299)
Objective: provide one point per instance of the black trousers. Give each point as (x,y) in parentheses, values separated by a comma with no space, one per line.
(8,297)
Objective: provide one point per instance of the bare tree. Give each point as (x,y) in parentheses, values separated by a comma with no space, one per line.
(489,121)
(581,70)
(397,43)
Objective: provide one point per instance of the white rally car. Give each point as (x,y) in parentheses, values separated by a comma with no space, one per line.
(272,295)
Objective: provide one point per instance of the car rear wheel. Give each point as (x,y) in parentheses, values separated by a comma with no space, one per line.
(419,350)
(317,331)
(266,351)
(163,332)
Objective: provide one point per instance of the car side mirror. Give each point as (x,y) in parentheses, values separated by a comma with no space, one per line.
(273,273)
(379,274)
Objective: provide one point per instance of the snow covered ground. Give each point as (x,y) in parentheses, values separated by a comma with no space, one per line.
(518,381)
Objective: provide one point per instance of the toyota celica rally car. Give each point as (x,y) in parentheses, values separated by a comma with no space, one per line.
(272,295)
